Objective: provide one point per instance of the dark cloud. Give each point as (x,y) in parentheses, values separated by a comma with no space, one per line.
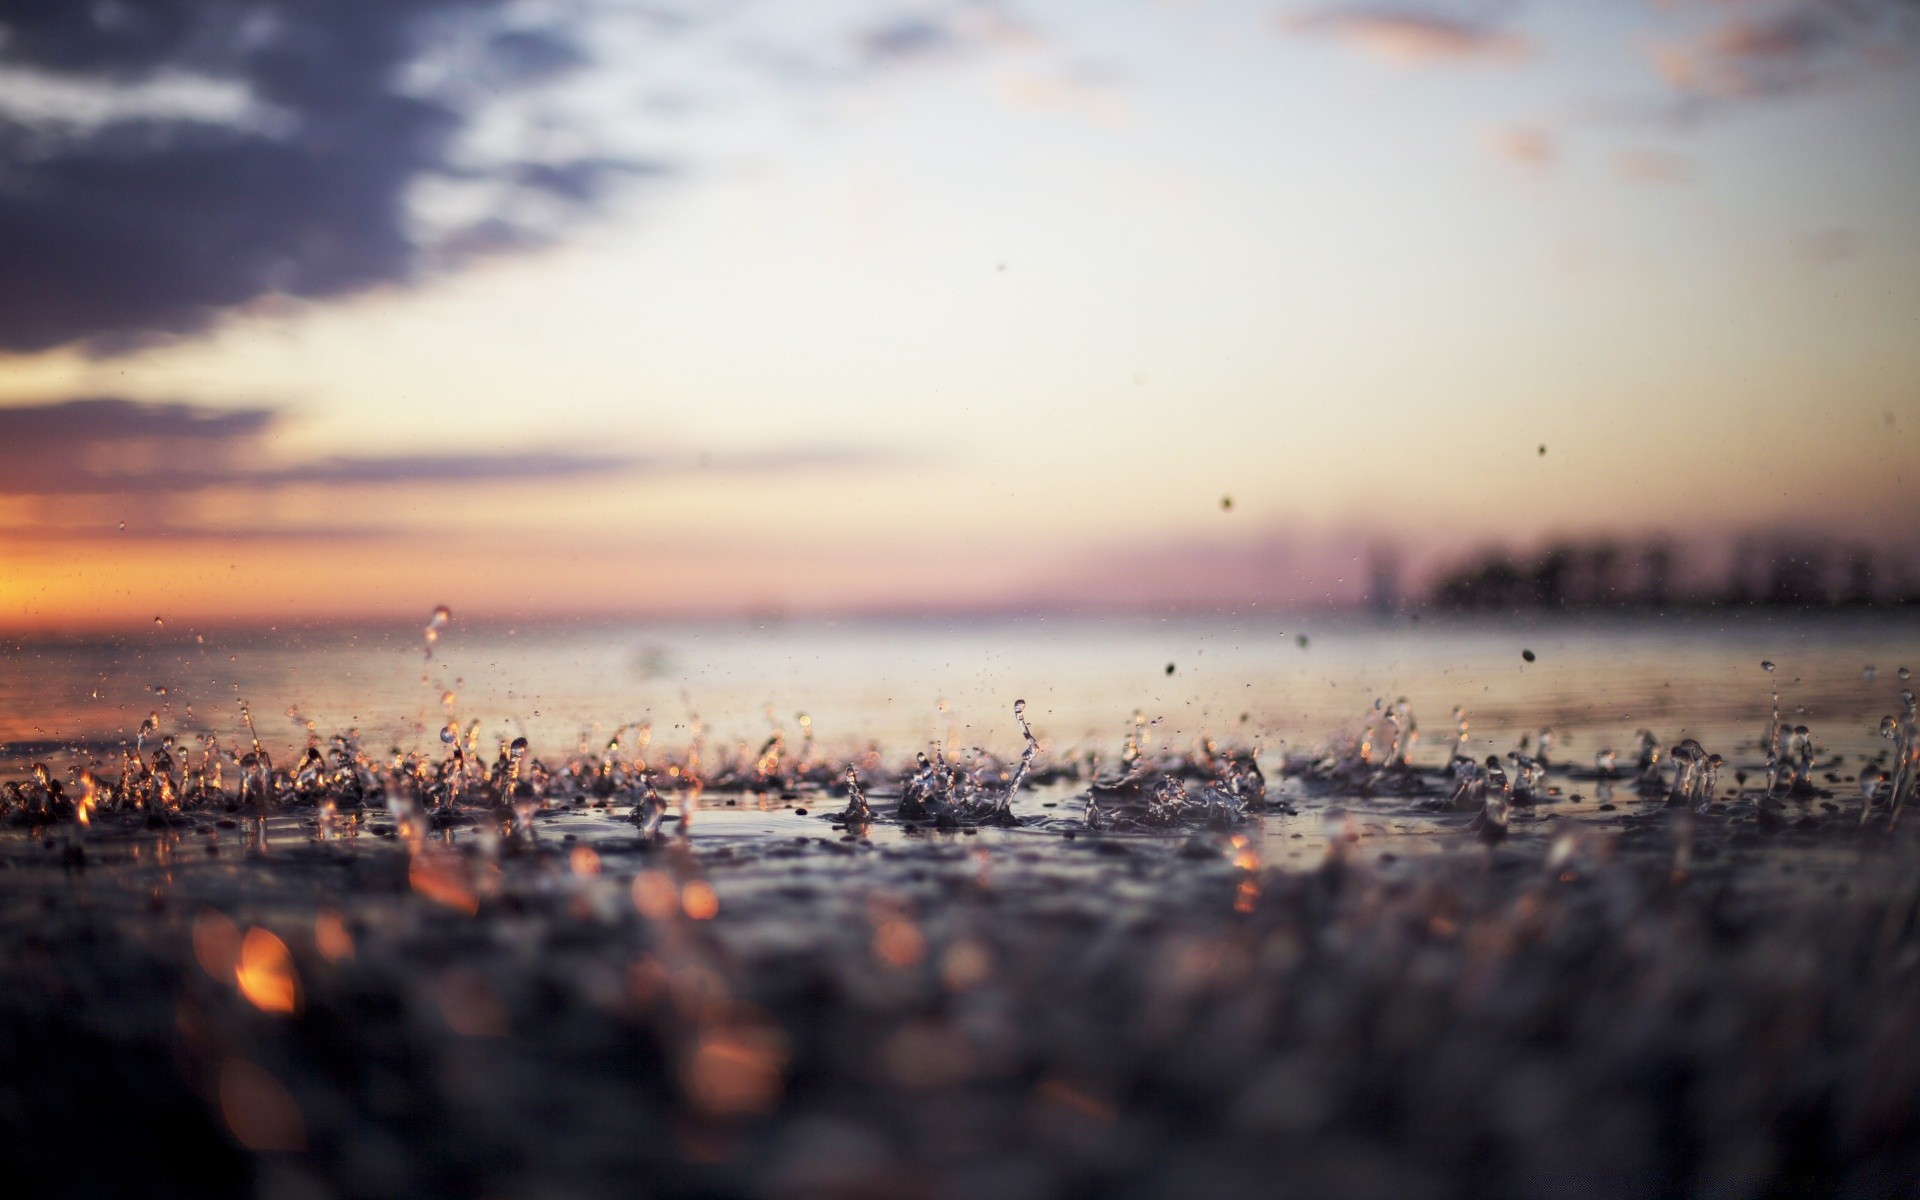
(1762,49)
(107,446)
(1412,35)
(149,224)
(112,446)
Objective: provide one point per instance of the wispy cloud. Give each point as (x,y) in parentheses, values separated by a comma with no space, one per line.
(942,33)
(100,446)
(1530,146)
(1412,36)
(1088,90)
(1651,166)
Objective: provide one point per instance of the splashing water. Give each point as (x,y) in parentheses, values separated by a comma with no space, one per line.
(651,810)
(1648,759)
(1497,807)
(1904,733)
(858,812)
(436,625)
(1695,775)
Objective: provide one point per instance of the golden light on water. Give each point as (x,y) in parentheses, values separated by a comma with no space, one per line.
(265,973)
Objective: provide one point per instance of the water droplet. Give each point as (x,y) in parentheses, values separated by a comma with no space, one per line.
(518,747)
(449,734)
(1904,674)
(1869,673)
(1528,655)
(123,527)
(442,616)
(446,698)
(157,623)
(1766,666)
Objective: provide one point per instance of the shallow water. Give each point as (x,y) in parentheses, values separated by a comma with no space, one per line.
(1343,991)
(903,685)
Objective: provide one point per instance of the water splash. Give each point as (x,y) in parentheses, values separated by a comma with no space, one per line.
(436,625)
(1695,776)
(651,809)
(1648,759)
(1497,807)
(1904,733)
(857,812)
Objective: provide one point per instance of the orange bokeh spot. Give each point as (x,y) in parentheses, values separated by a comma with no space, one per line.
(700,901)
(265,974)
(216,943)
(442,878)
(261,1113)
(737,1066)
(897,942)
(331,936)
(655,896)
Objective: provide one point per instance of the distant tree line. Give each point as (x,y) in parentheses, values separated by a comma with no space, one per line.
(1772,571)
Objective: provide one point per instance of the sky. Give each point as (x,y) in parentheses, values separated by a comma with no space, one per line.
(317,309)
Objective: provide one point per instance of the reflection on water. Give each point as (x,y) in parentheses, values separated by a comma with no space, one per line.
(903,685)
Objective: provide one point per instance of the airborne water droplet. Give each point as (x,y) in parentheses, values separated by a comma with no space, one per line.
(1766,666)
(1904,674)
(442,616)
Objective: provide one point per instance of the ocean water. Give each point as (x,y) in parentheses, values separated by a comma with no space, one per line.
(1284,685)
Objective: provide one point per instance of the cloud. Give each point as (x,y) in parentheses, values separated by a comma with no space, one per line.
(164,530)
(1790,46)
(98,446)
(1529,146)
(172,160)
(1412,36)
(111,446)
(1088,90)
(1651,166)
(941,34)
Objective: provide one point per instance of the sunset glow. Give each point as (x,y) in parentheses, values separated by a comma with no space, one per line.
(957,306)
